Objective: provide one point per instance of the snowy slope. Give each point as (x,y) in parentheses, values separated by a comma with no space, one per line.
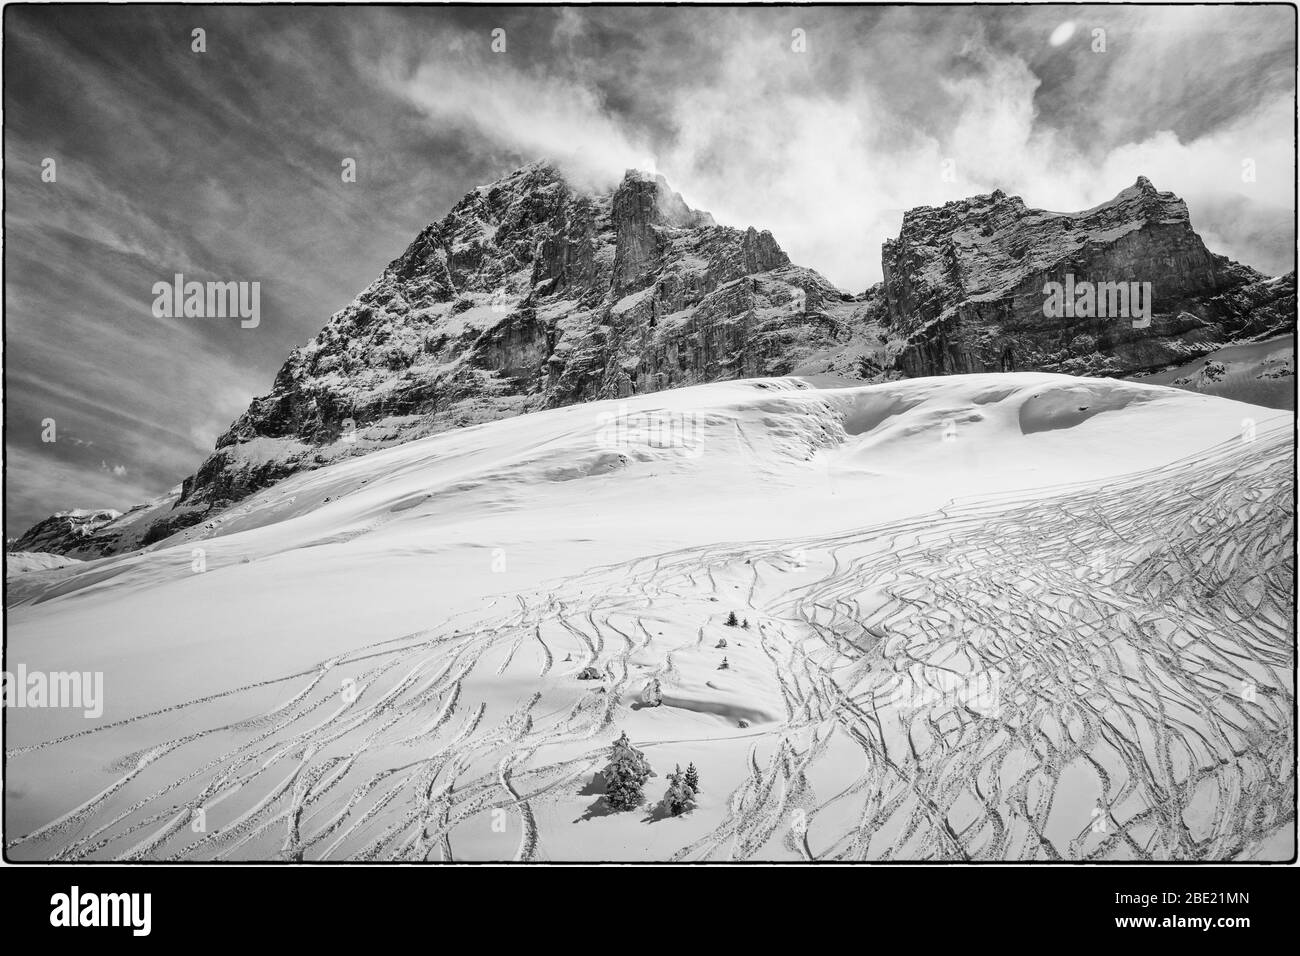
(1261,373)
(20,562)
(992,616)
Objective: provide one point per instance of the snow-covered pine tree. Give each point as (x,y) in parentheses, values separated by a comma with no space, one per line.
(653,694)
(692,777)
(732,621)
(625,775)
(679,797)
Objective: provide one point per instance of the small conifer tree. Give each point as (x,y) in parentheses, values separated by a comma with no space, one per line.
(625,775)
(653,694)
(680,796)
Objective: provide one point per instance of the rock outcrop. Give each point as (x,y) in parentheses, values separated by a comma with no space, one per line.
(64,532)
(964,287)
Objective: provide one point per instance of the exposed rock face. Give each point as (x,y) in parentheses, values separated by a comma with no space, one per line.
(64,532)
(529,295)
(96,534)
(964,287)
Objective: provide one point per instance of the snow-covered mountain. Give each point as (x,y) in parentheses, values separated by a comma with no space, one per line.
(999,616)
(66,531)
(500,510)
(531,294)
(528,294)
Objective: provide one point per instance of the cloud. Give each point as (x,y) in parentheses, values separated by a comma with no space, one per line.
(534,114)
(827,148)
(226,166)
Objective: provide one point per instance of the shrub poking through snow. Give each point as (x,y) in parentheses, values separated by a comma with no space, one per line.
(626,774)
(724,665)
(680,795)
(745,624)
(722,642)
(589,673)
(692,777)
(732,620)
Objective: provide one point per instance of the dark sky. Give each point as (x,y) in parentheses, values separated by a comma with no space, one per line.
(226,165)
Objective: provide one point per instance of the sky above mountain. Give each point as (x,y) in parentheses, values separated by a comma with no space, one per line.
(820,124)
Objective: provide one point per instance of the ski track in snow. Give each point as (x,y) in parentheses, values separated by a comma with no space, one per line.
(1099,673)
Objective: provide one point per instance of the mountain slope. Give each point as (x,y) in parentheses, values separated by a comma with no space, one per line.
(1259,373)
(389,653)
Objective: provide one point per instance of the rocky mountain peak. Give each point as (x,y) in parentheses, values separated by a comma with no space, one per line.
(529,293)
(64,531)
(964,286)
(1143,199)
(647,197)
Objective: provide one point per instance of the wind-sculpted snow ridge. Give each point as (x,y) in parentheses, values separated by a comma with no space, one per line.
(1099,671)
